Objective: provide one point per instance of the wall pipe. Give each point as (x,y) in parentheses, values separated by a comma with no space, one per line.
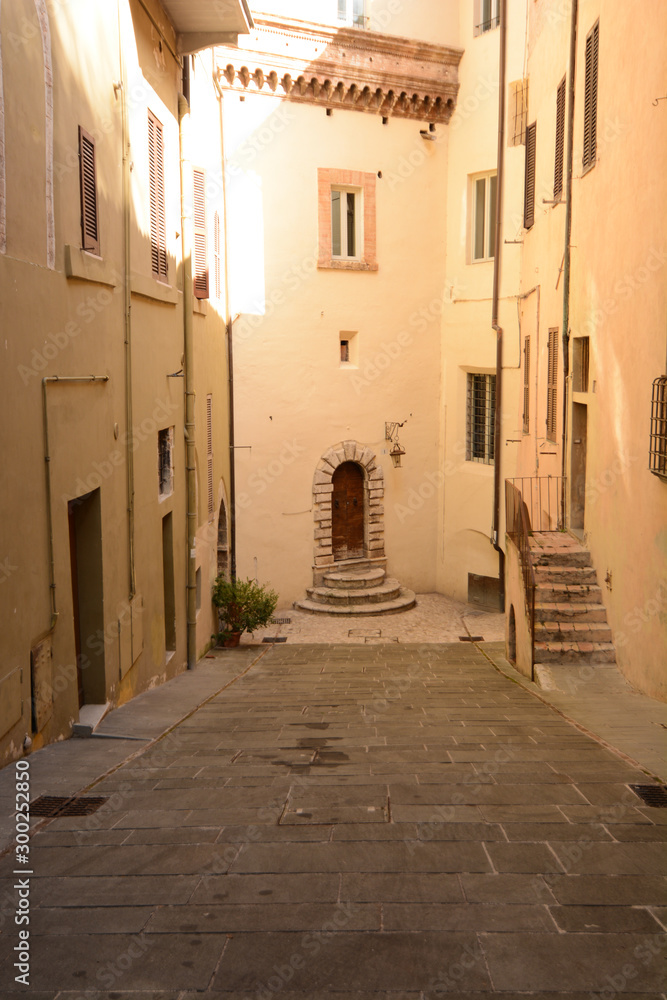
(568,236)
(47,468)
(494,308)
(189,387)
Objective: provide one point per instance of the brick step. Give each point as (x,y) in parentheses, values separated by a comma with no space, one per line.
(352,580)
(565,574)
(403,602)
(575,652)
(388,591)
(568,593)
(570,632)
(556,549)
(545,612)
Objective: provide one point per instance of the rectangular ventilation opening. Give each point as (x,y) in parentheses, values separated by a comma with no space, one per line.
(65,805)
(274,638)
(652,795)
(471,638)
(280,621)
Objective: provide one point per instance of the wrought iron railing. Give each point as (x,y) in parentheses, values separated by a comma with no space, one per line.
(519,531)
(544,497)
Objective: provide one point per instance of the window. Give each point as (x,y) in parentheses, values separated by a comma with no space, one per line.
(518,113)
(346,216)
(591,95)
(658,445)
(481,417)
(200,258)
(487,16)
(216,256)
(560,140)
(209,455)
(580,364)
(165,447)
(352,12)
(156,190)
(90,237)
(552,384)
(526,385)
(344,352)
(484,216)
(529,183)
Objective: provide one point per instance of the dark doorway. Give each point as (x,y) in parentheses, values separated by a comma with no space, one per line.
(578,466)
(168,583)
(85,539)
(347,517)
(511,651)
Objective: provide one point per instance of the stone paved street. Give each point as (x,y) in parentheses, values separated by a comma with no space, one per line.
(354,822)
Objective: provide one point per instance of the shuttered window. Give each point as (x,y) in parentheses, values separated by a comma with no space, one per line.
(526,385)
(591,95)
(560,140)
(200,261)
(552,384)
(529,186)
(156,190)
(217,274)
(90,236)
(209,454)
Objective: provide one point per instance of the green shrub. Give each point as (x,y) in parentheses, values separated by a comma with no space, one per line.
(244,605)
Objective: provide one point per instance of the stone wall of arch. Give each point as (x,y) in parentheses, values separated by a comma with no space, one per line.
(348,451)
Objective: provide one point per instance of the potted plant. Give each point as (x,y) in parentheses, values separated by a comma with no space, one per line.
(243,606)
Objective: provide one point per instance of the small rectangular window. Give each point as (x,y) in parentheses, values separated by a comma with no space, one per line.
(200,254)
(157,201)
(580,364)
(209,456)
(345,221)
(90,237)
(484,217)
(352,12)
(591,95)
(552,385)
(526,385)
(529,182)
(518,113)
(486,16)
(481,417)
(559,156)
(344,351)
(165,447)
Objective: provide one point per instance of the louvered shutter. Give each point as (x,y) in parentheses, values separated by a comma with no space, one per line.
(156,191)
(552,384)
(216,255)
(591,95)
(90,237)
(209,453)
(526,385)
(560,140)
(200,263)
(529,186)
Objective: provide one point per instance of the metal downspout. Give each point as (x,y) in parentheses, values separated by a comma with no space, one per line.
(494,312)
(568,235)
(188,366)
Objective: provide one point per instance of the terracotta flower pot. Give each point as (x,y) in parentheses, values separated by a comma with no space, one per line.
(232,640)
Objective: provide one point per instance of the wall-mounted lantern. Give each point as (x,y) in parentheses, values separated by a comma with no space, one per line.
(397,451)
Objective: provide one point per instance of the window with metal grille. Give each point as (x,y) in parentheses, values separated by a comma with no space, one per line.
(486,16)
(552,384)
(591,95)
(518,113)
(526,385)
(165,446)
(156,193)
(209,454)
(200,255)
(481,416)
(559,156)
(90,236)
(352,12)
(529,184)
(484,216)
(580,364)
(658,445)
(216,256)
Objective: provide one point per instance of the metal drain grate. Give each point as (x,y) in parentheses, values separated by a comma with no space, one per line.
(471,638)
(280,621)
(652,795)
(65,805)
(274,638)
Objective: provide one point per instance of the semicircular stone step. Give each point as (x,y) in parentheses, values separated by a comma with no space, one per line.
(389,590)
(403,602)
(351,580)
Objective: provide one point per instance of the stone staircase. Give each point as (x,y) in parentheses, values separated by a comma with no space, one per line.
(570,618)
(356,587)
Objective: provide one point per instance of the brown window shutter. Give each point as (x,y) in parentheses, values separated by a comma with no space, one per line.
(200,263)
(90,237)
(560,140)
(591,95)
(526,385)
(209,453)
(529,187)
(216,255)
(156,190)
(552,385)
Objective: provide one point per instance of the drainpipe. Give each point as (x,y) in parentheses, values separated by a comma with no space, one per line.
(188,366)
(568,234)
(494,311)
(229,325)
(47,468)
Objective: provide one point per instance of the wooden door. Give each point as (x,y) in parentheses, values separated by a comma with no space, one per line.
(347,518)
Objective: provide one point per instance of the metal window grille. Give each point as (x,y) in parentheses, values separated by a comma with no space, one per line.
(165,472)
(518,104)
(591,95)
(481,416)
(658,444)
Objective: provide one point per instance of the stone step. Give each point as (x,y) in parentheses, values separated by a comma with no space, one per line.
(403,602)
(557,549)
(550,573)
(574,652)
(388,591)
(545,612)
(555,631)
(567,593)
(353,580)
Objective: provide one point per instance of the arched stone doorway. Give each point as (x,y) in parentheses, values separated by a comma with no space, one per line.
(347,513)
